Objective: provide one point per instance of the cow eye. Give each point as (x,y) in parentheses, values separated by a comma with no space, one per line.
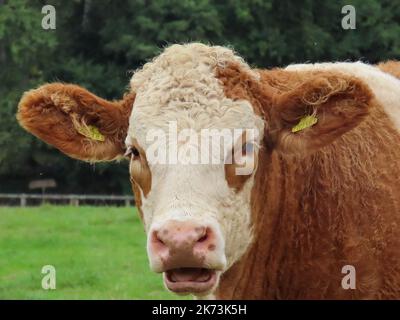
(132,153)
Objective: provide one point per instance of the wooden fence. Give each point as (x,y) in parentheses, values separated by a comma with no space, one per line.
(26,199)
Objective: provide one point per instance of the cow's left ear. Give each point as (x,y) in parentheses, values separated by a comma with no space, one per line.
(75,121)
(315,111)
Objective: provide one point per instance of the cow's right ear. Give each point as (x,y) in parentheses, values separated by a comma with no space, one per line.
(75,121)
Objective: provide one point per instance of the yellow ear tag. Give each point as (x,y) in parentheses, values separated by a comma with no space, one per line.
(90,132)
(305,122)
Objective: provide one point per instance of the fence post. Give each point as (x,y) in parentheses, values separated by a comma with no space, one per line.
(127,202)
(74,202)
(23,200)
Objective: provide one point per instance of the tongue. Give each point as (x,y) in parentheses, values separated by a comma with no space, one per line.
(189,274)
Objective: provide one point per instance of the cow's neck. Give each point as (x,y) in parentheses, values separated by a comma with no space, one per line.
(314,215)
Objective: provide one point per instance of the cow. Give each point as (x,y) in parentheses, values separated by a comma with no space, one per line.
(322,195)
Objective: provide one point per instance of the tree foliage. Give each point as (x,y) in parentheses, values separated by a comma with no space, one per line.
(97,43)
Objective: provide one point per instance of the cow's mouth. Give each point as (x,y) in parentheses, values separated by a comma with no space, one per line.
(190,280)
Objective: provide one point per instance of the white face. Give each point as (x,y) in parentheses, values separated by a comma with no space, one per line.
(197,224)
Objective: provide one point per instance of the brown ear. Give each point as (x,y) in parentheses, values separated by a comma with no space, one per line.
(75,121)
(338,102)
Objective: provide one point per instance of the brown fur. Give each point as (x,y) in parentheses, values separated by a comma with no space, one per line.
(138,197)
(50,111)
(315,212)
(392,67)
(284,97)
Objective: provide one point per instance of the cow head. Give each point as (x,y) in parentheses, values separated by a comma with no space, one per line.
(196,210)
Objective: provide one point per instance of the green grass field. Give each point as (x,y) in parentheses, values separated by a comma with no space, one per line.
(98,253)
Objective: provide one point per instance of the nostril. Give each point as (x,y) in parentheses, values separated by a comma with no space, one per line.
(204,235)
(203,238)
(157,239)
(206,241)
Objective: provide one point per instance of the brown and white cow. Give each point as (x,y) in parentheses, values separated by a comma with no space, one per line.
(319,198)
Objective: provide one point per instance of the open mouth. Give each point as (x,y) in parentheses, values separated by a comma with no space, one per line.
(190,280)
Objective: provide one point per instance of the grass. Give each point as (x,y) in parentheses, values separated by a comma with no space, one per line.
(98,253)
